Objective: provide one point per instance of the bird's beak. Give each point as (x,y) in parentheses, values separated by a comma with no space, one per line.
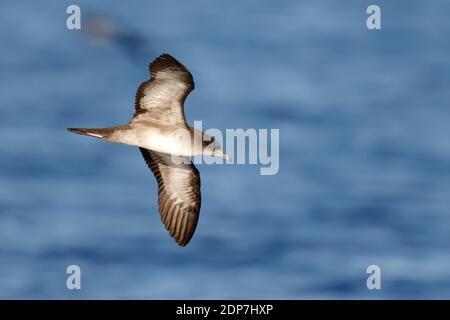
(220,154)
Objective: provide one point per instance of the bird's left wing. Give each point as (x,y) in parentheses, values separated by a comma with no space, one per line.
(161,99)
(179,196)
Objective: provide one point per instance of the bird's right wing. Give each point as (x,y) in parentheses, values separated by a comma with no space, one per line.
(179,196)
(161,99)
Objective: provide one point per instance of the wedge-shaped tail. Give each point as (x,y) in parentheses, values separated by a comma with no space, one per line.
(101,133)
(97,133)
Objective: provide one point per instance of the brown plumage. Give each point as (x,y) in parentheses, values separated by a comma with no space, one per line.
(159,113)
(101,133)
(179,195)
(162,99)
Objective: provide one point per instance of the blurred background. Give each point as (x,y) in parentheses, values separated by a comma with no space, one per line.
(364,150)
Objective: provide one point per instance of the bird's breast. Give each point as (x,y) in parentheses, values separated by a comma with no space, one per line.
(176,142)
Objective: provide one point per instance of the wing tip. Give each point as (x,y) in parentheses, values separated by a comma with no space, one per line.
(182,236)
(166,60)
(182,243)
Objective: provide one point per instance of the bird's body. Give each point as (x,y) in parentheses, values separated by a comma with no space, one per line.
(160,130)
(148,135)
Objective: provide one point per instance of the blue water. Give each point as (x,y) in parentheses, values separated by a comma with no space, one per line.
(364,150)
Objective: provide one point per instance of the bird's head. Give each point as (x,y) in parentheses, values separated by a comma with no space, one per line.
(212,148)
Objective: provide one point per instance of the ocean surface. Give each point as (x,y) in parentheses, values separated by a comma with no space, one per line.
(364,177)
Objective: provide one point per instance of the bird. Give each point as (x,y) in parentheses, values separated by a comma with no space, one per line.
(160,130)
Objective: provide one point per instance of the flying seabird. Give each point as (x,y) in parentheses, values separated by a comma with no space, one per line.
(166,141)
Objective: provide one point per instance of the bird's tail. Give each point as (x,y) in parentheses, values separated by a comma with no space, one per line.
(101,133)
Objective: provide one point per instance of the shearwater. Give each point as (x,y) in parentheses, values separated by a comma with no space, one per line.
(166,141)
